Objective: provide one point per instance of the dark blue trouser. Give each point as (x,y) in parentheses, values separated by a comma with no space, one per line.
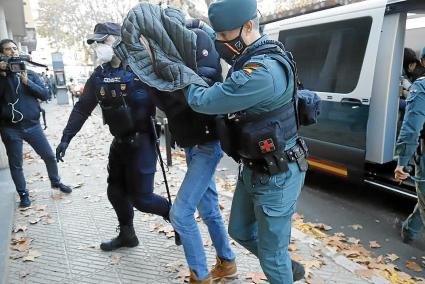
(13,139)
(131,177)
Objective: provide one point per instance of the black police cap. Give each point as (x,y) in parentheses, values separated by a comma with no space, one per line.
(102,31)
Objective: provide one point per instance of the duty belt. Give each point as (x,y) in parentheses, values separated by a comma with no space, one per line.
(278,162)
(130,139)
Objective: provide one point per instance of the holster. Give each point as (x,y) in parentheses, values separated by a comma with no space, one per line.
(277,162)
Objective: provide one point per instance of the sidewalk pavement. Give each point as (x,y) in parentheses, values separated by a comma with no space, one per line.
(57,239)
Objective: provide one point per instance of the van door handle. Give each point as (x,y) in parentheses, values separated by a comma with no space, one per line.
(351,102)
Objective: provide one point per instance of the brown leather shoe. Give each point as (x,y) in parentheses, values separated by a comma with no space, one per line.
(194,279)
(224,269)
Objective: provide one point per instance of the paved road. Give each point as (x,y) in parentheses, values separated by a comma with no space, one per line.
(330,200)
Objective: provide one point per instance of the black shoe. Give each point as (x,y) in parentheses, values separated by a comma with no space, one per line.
(405,235)
(25,200)
(62,187)
(298,271)
(126,238)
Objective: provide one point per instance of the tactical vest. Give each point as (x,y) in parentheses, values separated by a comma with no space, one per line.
(116,91)
(259,140)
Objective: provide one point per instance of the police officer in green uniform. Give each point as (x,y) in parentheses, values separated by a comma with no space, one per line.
(412,134)
(259,130)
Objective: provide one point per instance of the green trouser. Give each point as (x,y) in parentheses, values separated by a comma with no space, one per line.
(415,222)
(260,218)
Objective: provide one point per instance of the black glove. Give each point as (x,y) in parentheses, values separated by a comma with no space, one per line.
(60,151)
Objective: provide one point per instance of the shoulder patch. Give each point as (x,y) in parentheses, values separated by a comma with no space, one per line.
(251,67)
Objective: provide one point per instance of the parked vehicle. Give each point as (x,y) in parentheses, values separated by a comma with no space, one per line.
(352,57)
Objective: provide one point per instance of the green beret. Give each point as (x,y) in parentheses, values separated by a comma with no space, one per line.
(227,15)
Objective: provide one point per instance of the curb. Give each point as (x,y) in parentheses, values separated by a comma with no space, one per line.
(7,209)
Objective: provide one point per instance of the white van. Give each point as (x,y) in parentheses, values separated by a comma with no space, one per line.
(352,57)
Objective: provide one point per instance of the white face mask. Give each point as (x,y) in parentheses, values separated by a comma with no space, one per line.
(104,52)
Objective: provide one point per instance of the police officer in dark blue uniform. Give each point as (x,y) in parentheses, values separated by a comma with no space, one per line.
(260,132)
(126,108)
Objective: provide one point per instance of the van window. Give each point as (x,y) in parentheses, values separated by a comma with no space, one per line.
(329,56)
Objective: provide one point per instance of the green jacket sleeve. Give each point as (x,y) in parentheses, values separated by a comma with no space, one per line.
(242,90)
(413,123)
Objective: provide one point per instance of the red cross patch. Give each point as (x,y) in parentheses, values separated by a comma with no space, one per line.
(267,146)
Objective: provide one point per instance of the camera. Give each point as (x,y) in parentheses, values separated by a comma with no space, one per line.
(15,64)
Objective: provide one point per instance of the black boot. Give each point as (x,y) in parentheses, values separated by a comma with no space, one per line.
(62,187)
(25,200)
(126,238)
(298,271)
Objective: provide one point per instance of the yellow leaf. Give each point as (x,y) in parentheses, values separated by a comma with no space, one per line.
(413,266)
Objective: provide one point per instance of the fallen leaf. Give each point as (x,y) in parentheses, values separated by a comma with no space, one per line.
(374,244)
(174,266)
(50,221)
(183,274)
(91,246)
(78,185)
(20,228)
(32,255)
(292,247)
(40,207)
(296,257)
(115,259)
(34,221)
(57,196)
(392,257)
(366,273)
(322,226)
(315,263)
(17,255)
(207,243)
(255,277)
(22,244)
(353,241)
(380,259)
(356,227)
(351,253)
(413,266)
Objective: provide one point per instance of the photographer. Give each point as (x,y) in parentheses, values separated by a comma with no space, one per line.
(20,91)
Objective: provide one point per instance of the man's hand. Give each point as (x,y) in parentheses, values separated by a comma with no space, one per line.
(60,151)
(400,174)
(24,77)
(3,65)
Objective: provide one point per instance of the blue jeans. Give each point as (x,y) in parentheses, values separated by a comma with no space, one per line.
(198,191)
(260,218)
(414,224)
(33,135)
